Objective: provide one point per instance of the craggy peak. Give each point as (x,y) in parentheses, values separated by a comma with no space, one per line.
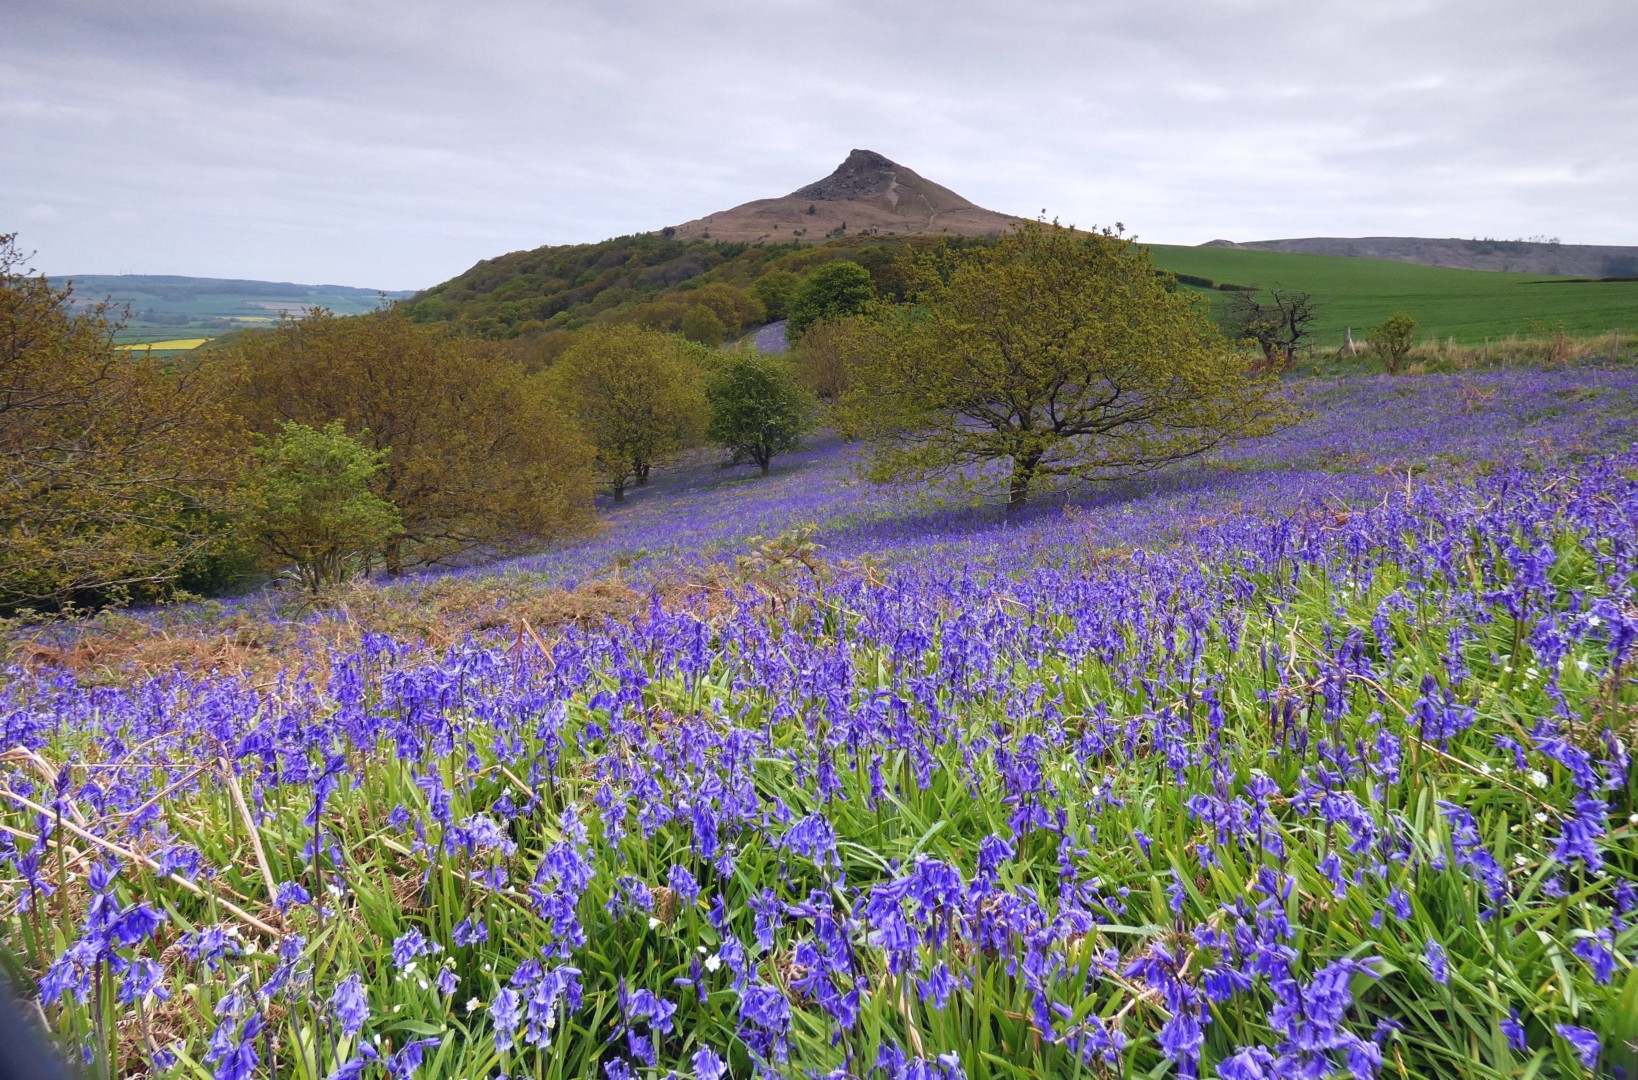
(865,172)
(867,194)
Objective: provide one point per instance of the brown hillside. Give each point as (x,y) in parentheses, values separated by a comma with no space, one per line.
(866,193)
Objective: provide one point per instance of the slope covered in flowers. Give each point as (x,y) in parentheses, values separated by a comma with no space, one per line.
(1312,760)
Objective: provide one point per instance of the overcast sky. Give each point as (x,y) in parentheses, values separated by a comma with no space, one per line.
(393,143)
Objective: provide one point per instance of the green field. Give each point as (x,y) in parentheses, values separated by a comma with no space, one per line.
(1468,305)
(160,308)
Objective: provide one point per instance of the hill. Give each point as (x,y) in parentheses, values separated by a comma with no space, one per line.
(867,194)
(1517,256)
(866,210)
(648,278)
(1468,305)
(167,307)
(871,208)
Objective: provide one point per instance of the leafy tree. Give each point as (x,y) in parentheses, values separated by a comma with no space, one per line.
(1053,353)
(1393,339)
(117,472)
(1278,326)
(701,325)
(483,461)
(758,411)
(733,308)
(312,503)
(833,291)
(636,394)
(829,351)
(775,289)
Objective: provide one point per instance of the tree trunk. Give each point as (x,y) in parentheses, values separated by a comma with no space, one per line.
(393,555)
(1023,471)
(619,490)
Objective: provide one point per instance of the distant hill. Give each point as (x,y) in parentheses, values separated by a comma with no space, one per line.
(163,305)
(1515,256)
(866,194)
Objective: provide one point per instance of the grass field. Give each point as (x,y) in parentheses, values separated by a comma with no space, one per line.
(1468,305)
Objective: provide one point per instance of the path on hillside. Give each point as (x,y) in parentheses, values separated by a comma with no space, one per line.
(771,338)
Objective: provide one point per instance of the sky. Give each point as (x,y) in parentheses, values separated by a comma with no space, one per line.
(393,143)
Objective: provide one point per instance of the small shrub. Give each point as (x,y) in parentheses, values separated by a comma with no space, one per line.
(1392,340)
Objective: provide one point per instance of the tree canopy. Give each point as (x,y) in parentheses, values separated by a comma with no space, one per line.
(312,504)
(758,410)
(482,460)
(636,394)
(833,291)
(1055,353)
(116,472)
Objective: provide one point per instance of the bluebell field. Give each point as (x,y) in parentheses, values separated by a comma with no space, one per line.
(1310,760)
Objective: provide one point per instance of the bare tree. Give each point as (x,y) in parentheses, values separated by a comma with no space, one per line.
(1278,327)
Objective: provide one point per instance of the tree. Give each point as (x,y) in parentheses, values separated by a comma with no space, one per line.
(636,394)
(701,325)
(117,472)
(312,503)
(1277,327)
(829,351)
(775,289)
(1053,353)
(758,411)
(1392,340)
(483,461)
(833,291)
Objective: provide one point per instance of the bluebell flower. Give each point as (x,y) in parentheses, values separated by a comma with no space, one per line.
(1433,954)
(1248,1063)
(350,1005)
(1514,1031)
(1595,950)
(1584,1042)
(403,1064)
(707,1065)
(410,945)
(504,1016)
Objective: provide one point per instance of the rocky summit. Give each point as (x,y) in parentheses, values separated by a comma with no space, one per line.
(867,194)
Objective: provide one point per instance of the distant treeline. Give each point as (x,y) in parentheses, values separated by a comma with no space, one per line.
(1207,283)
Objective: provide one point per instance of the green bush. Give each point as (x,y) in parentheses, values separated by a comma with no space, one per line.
(834,291)
(1392,340)
(313,506)
(758,411)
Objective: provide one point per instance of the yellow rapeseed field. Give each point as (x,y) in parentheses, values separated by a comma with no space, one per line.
(172,344)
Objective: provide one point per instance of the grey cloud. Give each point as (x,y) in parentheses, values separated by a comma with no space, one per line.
(393,144)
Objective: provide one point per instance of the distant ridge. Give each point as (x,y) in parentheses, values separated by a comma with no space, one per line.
(867,193)
(133,281)
(1518,256)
